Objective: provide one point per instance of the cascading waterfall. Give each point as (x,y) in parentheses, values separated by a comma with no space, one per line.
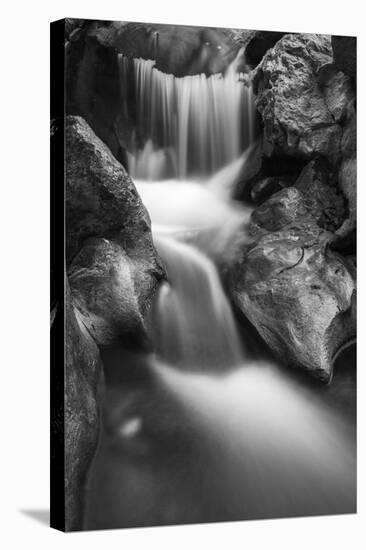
(194,124)
(264,445)
(193,326)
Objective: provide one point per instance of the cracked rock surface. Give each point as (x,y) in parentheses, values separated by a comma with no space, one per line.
(299,295)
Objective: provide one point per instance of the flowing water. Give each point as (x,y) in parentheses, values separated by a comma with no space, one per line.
(195,124)
(206,431)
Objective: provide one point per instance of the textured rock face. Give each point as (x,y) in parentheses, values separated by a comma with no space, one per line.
(177,49)
(265,188)
(112,278)
(347,176)
(299,295)
(302,99)
(112,292)
(280,210)
(262,176)
(312,196)
(101,199)
(324,200)
(83,378)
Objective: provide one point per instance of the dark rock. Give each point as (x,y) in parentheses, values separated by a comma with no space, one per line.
(201,49)
(251,172)
(112,291)
(299,295)
(280,210)
(312,197)
(344,48)
(302,104)
(114,276)
(347,177)
(339,95)
(325,202)
(265,188)
(93,92)
(83,382)
(258,44)
(72,25)
(262,176)
(101,199)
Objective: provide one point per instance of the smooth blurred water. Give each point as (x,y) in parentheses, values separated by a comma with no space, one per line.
(204,429)
(194,124)
(208,431)
(255,443)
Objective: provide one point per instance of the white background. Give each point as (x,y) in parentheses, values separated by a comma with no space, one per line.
(24,218)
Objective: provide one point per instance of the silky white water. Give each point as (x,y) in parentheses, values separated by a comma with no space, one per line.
(194,124)
(279,450)
(223,434)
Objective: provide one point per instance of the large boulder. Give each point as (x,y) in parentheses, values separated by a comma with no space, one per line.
(303,98)
(83,383)
(101,199)
(112,291)
(114,275)
(201,49)
(298,294)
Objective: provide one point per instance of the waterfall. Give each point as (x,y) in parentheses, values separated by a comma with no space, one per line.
(193,324)
(193,124)
(212,434)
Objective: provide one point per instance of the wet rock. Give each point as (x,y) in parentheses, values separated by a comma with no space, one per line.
(302,100)
(201,49)
(347,177)
(83,383)
(344,48)
(280,210)
(338,94)
(250,173)
(299,295)
(112,291)
(324,200)
(262,176)
(311,198)
(114,275)
(265,188)
(101,199)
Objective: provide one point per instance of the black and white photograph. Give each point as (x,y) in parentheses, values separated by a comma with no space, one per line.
(182,275)
(209,305)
